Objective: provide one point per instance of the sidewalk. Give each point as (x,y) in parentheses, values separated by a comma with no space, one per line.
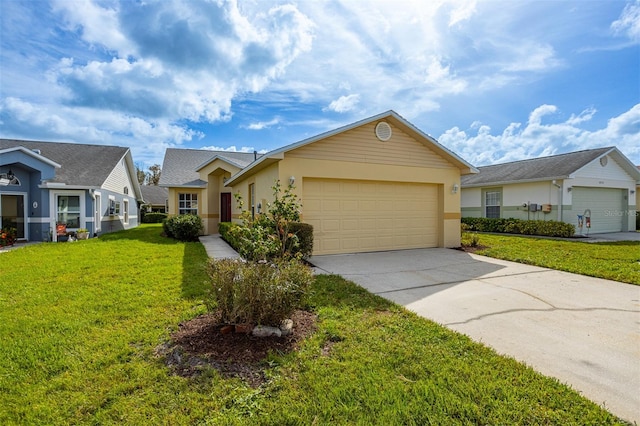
(217,248)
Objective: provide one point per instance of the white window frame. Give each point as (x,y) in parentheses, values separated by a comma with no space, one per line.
(125,211)
(190,198)
(53,208)
(97,226)
(494,200)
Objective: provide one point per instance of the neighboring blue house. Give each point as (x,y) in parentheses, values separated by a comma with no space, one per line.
(49,188)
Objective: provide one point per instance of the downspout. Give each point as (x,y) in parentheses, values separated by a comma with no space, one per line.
(560,198)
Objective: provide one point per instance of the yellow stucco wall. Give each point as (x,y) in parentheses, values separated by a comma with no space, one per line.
(358,155)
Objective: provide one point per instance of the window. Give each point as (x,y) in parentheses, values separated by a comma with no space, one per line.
(98,213)
(252,199)
(188,204)
(126,211)
(117,208)
(68,210)
(492,204)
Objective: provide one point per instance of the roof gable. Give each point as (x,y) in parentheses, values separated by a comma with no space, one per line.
(390,116)
(181,166)
(360,145)
(560,166)
(81,164)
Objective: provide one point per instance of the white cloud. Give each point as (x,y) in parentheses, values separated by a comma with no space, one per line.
(190,60)
(231,148)
(462,12)
(263,124)
(344,103)
(536,139)
(147,139)
(629,22)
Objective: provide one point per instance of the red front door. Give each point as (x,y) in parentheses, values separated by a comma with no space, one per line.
(225,207)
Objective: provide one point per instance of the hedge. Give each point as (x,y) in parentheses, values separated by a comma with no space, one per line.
(548,228)
(154,217)
(304,231)
(184,227)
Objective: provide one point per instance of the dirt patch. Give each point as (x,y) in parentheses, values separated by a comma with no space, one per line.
(199,343)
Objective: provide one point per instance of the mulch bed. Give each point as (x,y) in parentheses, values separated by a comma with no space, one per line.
(199,343)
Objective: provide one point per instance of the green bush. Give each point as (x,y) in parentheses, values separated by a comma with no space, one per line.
(304,232)
(550,228)
(257,293)
(154,217)
(277,233)
(468,238)
(184,227)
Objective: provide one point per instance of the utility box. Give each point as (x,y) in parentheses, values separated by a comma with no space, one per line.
(546,208)
(533,207)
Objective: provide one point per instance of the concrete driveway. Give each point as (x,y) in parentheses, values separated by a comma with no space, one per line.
(584,331)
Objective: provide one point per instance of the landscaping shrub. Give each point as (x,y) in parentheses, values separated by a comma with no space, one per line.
(468,238)
(257,293)
(184,227)
(304,232)
(274,234)
(550,228)
(154,217)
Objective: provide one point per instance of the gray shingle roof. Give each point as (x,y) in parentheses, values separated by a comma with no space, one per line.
(553,167)
(83,165)
(180,166)
(155,195)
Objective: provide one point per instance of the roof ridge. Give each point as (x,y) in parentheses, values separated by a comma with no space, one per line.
(607,148)
(63,143)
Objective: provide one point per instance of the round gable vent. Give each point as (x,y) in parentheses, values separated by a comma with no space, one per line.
(383,131)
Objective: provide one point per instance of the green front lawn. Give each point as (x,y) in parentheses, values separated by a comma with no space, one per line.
(80,323)
(618,261)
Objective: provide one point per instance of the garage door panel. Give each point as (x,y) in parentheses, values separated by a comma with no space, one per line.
(601,202)
(357,216)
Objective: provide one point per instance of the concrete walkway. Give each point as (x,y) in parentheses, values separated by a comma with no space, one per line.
(217,248)
(584,331)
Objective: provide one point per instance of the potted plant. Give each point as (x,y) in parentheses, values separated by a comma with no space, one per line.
(82,233)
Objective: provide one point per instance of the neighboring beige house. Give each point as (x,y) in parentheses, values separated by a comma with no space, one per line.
(599,185)
(377,184)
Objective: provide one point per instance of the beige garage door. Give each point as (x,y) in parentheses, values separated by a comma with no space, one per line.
(351,216)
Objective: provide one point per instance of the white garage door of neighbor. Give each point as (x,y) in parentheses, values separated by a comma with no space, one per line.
(606,205)
(351,216)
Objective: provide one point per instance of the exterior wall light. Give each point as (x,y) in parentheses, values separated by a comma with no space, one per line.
(454,189)
(569,189)
(292,180)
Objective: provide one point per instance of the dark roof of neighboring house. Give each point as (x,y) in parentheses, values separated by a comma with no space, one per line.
(180,166)
(154,195)
(554,167)
(85,165)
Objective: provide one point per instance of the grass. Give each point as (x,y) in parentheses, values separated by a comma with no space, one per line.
(618,261)
(79,323)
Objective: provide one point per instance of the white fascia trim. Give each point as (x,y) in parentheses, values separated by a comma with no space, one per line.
(32,154)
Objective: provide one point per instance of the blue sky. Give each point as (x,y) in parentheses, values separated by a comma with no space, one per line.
(493,81)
